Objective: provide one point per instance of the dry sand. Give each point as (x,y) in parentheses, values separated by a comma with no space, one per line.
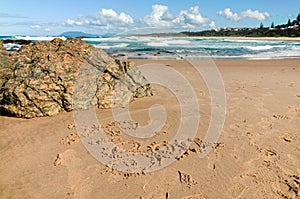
(257,155)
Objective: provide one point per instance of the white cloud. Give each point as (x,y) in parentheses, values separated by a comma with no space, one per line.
(212,25)
(110,16)
(229,15)
(35,27)
(105,19)
(250,14)
(159,20)
(39,27)
(161,17)
(255,15)
(192,17)
(80,22)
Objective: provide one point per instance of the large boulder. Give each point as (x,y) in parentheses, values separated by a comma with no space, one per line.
(5,67)
(50,77)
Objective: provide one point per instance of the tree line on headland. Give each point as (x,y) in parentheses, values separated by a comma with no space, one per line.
(290,29)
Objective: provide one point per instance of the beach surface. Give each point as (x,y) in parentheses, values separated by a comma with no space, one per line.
(257,38)
(256,156)
(239,38)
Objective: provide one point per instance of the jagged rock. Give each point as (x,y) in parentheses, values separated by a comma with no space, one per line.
(2,49)
(16,41)
(50,77)
(5,67)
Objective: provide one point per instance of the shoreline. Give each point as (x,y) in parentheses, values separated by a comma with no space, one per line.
(297,39)
(282,48)
(150,57)
(227,37)
(223,61)
(176,36)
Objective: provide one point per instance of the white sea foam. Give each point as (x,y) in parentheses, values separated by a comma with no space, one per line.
(248,40)
(158,44)
(190,47)
(122,45)
(168,42)
(110,39)
(178,42)
(267,47)
(33,38)
(147,39)
(10,46)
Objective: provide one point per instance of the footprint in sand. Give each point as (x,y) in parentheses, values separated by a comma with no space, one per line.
(291,84)
(127,124)
(237,191)
(270,155)
(70,139)
(130,146)
(156,146)
(288,188)
(265,123)
(286,138)
(87,130)
(71,126)
(288,184)
(57,161)
(112,131)
(186,179)
(80,187)
(195,196)
(280,117)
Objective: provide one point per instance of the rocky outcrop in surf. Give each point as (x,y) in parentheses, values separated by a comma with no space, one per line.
(45,78)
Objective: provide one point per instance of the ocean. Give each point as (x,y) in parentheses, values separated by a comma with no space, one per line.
(146,47)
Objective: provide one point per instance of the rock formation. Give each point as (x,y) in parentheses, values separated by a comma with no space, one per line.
(5,67)
(16,41)
(45,78)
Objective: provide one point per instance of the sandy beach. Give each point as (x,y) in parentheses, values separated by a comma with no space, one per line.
(256,156)
(296,39)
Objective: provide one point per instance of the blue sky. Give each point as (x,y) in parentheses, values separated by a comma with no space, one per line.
(33,17)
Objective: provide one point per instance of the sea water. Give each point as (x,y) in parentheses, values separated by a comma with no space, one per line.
(146,47)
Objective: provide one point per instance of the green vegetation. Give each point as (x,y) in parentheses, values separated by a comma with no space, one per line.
(291,29)
(272,25)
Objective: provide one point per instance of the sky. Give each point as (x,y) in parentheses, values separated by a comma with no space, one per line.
(41,18)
